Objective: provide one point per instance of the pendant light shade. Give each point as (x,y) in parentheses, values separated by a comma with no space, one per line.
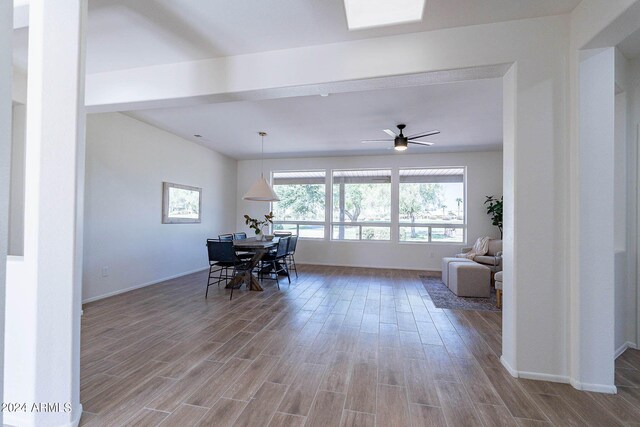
(261,191)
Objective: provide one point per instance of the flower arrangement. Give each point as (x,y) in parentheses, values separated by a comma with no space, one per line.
(257,225)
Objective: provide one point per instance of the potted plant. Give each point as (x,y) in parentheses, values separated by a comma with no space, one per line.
(258,225)
(494,209)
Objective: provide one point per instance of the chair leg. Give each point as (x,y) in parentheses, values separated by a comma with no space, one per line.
(206,294)
(275,268)
(220,277)
(295,267)
(286,270)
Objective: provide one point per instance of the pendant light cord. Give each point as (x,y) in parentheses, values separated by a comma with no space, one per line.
(262,156)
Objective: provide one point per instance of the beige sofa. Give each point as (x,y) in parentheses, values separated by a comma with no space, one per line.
(469,279)
(498,281)
(493,257)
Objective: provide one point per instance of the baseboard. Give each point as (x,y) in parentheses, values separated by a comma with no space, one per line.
(624,347)
(14,419)
(22,420)
(508,367)
(376,267)
(76,419)
(544,377)
(596,388)
(144,285)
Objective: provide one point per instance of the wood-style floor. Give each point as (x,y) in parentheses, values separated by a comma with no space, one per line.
(337,347)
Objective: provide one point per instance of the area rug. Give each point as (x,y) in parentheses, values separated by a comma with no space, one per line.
(442,297)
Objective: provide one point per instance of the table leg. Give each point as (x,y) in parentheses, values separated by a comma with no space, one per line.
(248,277)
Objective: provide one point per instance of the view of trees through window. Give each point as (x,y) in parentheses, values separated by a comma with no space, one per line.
(301,208)
(432,205)
(361,205)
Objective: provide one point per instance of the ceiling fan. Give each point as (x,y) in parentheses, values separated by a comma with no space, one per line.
(400,141)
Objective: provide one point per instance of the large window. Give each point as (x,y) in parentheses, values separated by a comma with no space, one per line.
(361,205)
(301,208)
(432,205)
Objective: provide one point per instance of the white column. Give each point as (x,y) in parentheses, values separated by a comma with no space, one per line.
(594,316)
(43,361)
(6,60)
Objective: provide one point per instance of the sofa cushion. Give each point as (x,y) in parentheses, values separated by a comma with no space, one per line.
(498,280)
(495,246)
(470,280)
(445,267)
(485,259)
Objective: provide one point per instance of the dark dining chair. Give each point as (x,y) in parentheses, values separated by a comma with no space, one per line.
(291,261)
(222,257)
(225,237)
(239,236)
(278,260)
(282,233)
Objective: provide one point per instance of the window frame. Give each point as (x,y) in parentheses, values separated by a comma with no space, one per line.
(361,224)
(431,225)
(298,223)
(394,224)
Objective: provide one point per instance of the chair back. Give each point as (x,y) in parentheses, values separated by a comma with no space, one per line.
(221,251)
(239,236)
(225,237)
(283,247)
(282,233)
(293,242)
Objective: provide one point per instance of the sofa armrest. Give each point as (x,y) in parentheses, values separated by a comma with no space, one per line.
(465,250)
(499,254)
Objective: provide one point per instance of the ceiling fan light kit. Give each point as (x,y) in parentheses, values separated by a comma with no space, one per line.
(261,191)
(401,142)
(400,145)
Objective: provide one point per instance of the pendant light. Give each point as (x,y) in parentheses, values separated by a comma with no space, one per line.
(261,191)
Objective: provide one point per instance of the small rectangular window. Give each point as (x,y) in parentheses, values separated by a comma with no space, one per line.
(432,205)
(301,209)
(361,204)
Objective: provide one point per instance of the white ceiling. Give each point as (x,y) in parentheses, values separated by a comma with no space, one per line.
(469,115)
(136,33)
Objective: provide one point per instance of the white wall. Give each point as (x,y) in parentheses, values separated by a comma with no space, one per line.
(632,311)
(16,202)
(484,178)
(625,203)
(126,163)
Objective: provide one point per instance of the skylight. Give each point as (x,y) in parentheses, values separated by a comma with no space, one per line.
(375,13)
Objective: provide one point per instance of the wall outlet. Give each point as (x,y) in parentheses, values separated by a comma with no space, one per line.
(105,271)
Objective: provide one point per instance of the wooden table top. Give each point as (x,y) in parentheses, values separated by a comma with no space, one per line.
(253,243)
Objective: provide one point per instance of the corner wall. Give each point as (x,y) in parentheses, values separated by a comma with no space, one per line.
(126,163)
(16,201)
(484,178)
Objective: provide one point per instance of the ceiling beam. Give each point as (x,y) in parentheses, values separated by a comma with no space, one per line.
(422,58)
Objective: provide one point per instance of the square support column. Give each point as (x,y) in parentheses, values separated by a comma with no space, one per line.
(6,75)
(44,288)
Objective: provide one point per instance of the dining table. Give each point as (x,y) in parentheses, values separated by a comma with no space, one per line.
(258,248)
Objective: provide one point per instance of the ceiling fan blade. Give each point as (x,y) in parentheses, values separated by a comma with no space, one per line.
(390,132)
(366,141)
(421,135)
(428,144)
